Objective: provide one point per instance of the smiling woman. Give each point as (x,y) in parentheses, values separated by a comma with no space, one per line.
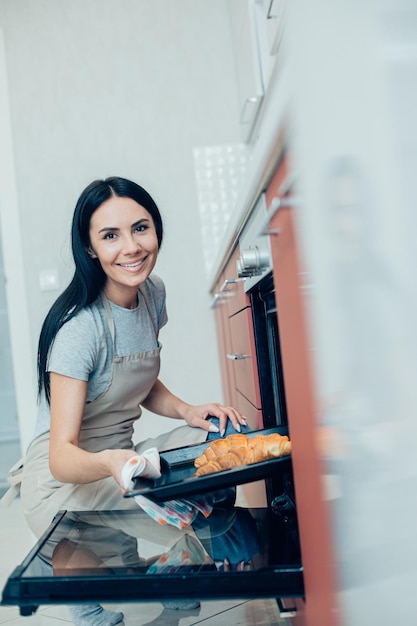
(98,364)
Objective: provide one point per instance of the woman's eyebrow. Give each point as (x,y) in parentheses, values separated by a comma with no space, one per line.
(143,219)
(112,228)
(108,228)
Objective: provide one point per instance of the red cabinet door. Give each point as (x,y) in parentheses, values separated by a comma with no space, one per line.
(223,342)
(320,606)
(235,338)
(243,357)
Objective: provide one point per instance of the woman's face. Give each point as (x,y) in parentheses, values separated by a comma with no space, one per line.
(123,238)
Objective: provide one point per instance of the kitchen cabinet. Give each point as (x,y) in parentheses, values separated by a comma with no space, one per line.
(237,358)
(243,357)
(290,289)
(236,342)
(274,16)
(225,299)
(219,306)
(248,65)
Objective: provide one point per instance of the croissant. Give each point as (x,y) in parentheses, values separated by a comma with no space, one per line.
(238,450)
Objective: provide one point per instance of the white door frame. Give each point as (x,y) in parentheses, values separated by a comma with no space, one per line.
(16,294)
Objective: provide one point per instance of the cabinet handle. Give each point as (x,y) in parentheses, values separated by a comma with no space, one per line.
(276,205)
(230,281)
(216,299)
(270,15)
(237,357)
(283,611)
(247,106)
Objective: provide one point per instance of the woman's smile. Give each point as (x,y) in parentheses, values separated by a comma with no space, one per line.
(132,266)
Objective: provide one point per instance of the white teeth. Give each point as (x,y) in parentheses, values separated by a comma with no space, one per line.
(131,264)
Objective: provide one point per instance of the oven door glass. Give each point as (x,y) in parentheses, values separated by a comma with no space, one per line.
(124,556)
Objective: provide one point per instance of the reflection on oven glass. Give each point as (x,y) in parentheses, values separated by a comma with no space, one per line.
(125,542)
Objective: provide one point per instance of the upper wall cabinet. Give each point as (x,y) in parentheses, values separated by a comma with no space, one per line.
(274,16)
(257,27)
(248,64)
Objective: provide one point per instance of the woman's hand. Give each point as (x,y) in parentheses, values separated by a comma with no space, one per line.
(115,461)
(197,417)
(161,401)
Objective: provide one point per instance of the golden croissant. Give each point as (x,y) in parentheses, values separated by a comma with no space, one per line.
(237,450)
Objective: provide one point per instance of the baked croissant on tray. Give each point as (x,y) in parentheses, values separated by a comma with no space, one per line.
(237,450)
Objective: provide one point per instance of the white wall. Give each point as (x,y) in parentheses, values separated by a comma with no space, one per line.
(99,87)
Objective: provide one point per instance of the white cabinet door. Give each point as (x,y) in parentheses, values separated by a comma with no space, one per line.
(248,63)
(274,15)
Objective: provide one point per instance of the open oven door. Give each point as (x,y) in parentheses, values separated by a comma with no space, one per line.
(113,556)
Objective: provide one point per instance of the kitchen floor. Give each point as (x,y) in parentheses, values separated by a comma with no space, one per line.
(16,540)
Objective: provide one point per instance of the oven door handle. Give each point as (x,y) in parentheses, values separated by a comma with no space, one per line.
(237,357)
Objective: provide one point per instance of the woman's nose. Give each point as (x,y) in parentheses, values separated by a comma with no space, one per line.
(131,245)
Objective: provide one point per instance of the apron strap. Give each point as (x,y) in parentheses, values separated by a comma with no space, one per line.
(154,323)
(109,316)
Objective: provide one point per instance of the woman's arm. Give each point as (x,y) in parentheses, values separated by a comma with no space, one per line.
(160,400)
(67,461)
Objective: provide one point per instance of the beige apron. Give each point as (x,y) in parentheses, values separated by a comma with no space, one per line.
(107,424)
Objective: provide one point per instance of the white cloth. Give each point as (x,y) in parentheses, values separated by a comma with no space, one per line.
(147,465)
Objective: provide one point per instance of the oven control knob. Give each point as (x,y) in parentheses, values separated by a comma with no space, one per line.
(251,262)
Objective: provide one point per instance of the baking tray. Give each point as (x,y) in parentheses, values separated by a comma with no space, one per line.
(178,472)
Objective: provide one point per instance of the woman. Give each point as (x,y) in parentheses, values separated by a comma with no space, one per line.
(98,363)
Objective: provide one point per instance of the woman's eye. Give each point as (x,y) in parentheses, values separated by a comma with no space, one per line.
(141,228)
(109,236)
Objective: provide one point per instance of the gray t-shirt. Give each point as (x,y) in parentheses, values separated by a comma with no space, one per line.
(83,347)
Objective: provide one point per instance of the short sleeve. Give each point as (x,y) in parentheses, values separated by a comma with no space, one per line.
(75,349)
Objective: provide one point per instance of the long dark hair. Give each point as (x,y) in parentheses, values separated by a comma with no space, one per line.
(89,277)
